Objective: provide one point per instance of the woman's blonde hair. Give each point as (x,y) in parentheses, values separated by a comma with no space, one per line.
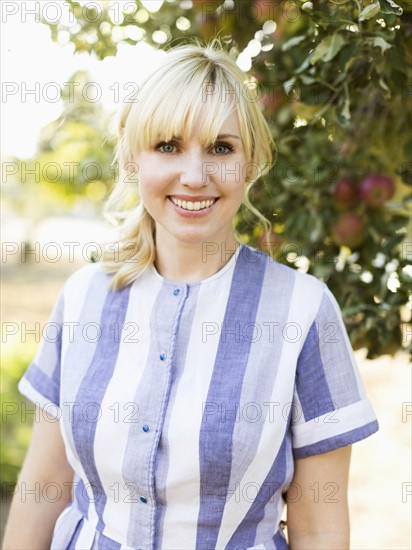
(167,104)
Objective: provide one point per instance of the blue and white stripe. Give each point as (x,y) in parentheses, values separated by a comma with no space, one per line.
(184,406)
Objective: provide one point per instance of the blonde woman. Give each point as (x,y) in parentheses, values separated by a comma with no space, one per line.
(195,386)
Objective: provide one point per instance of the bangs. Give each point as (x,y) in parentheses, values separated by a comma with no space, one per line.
(170,106)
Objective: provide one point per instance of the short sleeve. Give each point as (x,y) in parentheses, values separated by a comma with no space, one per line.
(330,407)
(41,381)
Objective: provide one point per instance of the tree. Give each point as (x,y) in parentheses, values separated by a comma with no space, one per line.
(73,159)
(335,80)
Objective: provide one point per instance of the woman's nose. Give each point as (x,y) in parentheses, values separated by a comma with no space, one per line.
(195,171)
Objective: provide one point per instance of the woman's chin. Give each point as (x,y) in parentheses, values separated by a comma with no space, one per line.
(193,238)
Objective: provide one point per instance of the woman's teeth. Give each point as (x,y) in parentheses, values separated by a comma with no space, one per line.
(189,205)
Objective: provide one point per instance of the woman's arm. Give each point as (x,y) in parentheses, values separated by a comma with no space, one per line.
(33,514)
(317,505)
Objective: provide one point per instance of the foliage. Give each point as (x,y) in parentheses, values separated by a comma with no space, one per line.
(16,414)
(73,160)
(335,80)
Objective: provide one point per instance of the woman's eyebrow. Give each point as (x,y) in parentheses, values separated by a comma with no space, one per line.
(220,136)
(223,136)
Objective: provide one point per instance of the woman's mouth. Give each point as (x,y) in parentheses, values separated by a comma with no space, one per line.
(193,205)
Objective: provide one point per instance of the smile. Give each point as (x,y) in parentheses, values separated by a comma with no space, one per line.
(190,205)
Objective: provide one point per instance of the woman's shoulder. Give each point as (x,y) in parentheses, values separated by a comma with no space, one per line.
(290,290)
(85,276)
(278,272)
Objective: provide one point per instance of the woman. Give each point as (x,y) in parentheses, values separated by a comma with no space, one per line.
(199,384)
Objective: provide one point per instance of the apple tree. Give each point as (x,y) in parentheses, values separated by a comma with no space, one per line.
(335,81)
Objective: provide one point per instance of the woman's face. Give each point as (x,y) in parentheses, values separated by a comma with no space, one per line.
(192,191)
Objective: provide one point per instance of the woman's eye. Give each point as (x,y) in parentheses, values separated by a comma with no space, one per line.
(223,148)
(165,147)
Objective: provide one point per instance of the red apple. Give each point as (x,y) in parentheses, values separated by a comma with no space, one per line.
(376,189)
(344,193)
(348,229)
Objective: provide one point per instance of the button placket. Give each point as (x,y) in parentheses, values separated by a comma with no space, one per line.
(173,301)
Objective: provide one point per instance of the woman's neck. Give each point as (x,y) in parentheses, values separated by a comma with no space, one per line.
(188,262)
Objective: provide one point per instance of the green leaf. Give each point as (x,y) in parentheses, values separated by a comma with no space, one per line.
(327,48)
(303,66)
(288,85)
(388,6)
(294,41)
(396,59)
(408,149)
(343,116)
(378,42)
(345,112)
(383,85)
(406,174)
(370,11)
(307,79)
(315,94)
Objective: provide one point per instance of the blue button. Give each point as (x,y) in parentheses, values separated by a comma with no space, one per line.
(176,291)
(145,428)
(162,356)
(143,499)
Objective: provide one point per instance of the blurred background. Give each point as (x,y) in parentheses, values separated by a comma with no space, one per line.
(335,81)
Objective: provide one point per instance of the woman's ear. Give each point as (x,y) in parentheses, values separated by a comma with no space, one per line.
(251,170)
(130,166)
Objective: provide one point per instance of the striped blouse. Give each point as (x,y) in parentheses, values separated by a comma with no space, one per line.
(183,406)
